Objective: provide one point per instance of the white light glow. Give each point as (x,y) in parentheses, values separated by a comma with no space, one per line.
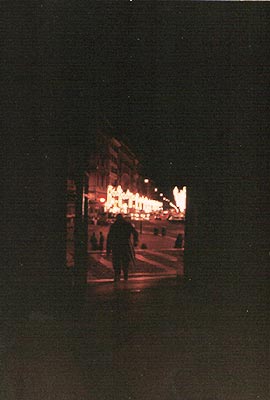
(120,201)
(180,198)
(174,206)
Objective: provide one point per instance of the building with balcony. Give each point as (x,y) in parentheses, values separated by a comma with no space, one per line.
(102,171)
(114,180)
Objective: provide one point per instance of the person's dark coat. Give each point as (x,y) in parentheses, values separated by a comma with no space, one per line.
(94,241)
(101,241)
(119,243)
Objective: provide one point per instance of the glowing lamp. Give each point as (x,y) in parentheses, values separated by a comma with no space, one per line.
(180,198)
(102,200)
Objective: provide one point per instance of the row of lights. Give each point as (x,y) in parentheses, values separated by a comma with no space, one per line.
(146,180)
(119,200)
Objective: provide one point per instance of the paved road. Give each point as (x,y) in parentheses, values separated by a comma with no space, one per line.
(159,260)
(172,231)
(150,264)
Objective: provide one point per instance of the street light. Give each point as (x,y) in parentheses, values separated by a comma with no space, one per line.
(146,180)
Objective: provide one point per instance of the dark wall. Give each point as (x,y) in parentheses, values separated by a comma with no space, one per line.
(227,233)
(46,110)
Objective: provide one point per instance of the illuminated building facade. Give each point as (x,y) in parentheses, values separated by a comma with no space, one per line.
(103,170)
(119,200)
(114,182)
(180,198)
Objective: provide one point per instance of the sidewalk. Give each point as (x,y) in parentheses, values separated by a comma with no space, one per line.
(130,342)
(141,339)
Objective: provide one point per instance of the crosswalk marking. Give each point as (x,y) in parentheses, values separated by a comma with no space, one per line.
(164,255)
(148,261)
(102,260)
(108,263)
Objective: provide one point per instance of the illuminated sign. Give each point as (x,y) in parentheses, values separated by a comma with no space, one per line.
(180,198)
(120,201)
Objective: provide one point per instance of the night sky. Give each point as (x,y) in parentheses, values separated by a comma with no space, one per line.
(183,83)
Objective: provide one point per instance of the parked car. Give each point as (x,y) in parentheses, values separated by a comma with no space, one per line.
(176,218)
(140,216)
(161,217)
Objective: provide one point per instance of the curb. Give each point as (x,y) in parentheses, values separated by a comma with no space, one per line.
(134,277)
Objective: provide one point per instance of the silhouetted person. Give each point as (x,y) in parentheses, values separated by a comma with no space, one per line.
(94,241)
(119,243)
(179,241)
(101,241)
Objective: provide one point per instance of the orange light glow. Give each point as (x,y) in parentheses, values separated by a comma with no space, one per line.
(174,206)
(120,201)
(180,198)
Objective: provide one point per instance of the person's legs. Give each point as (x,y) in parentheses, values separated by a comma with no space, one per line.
(126,274)
(117,267)
(125,265)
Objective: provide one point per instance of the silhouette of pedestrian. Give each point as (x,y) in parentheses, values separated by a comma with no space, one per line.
(101,241)
(119,243)
(94,242)
(179,241)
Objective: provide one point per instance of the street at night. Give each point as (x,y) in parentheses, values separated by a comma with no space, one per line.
(159,260)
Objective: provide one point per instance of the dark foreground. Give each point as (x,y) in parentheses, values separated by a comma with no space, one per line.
(141,340)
